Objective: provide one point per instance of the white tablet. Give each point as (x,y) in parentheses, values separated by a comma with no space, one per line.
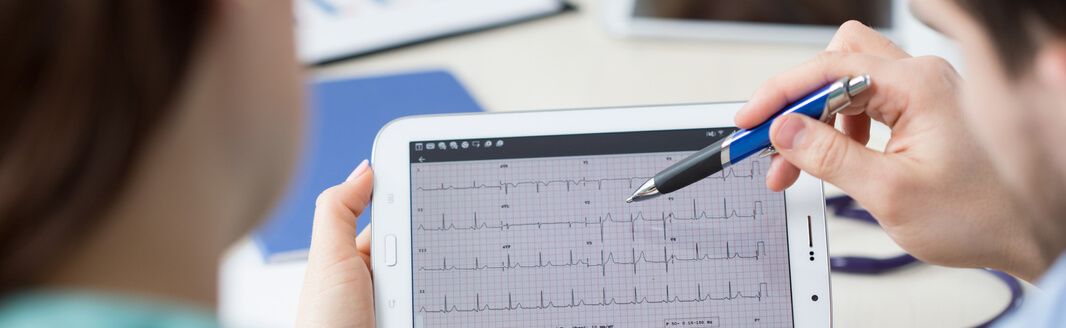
(519,220)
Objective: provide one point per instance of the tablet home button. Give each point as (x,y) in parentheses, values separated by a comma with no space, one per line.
(390,250)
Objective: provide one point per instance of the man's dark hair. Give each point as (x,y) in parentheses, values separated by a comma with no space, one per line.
(1018,26)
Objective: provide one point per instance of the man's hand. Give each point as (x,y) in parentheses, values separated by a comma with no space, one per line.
(933,189)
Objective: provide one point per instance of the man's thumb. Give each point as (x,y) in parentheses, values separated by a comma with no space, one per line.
(819,149)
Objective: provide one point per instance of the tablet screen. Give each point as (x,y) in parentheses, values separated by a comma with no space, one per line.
(534,232)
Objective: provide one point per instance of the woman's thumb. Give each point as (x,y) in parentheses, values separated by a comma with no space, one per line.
(336,211)
(337,289)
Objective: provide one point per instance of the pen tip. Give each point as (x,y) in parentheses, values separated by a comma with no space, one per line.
(629,200)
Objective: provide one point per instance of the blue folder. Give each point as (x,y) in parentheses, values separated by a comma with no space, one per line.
(345,115)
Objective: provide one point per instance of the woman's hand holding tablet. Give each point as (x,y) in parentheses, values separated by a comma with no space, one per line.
(337,289)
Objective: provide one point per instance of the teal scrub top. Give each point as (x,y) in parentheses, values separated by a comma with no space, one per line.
(91,310)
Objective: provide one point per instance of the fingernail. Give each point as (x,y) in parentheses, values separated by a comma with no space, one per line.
(359,170)
(790,133)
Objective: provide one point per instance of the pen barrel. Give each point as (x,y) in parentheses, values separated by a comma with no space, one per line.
(691,169)
(819,105)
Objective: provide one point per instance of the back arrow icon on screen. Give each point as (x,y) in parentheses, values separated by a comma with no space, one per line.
(421,159)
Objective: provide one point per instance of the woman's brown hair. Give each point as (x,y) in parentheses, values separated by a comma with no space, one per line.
(83,85)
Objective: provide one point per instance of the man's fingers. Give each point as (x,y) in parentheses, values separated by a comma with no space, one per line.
(857,127)
(853,36)
(782,174)
(819,149)
(798,82)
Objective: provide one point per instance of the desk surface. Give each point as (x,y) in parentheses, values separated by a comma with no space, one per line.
(568,61)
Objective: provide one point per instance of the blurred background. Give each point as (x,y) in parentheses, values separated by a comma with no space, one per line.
(381,59)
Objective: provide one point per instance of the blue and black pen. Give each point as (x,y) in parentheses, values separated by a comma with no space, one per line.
(821,105)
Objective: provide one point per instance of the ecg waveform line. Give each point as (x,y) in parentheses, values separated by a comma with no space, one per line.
(506,187)
(664,218)
(575,302)
(608,258)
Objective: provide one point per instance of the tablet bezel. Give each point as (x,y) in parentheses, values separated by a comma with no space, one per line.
(805,205)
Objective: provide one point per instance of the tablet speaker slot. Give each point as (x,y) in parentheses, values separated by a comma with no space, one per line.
(810,239)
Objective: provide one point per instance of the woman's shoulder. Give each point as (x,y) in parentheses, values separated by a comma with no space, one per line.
(86,309)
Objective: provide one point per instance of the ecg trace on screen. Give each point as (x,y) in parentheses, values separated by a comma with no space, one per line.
(549,242)
(507,186)
(663,259)
(665,218)
(604,300)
